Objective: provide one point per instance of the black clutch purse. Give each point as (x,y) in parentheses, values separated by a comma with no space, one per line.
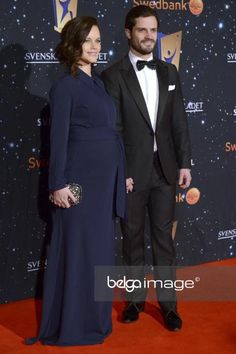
(75,189)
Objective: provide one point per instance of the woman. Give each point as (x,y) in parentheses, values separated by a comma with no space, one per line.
(86,150)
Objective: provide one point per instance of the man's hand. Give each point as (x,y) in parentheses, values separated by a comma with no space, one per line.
(184,178)
(129,184)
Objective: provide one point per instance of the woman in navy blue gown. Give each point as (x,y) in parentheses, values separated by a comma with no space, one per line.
(85,149)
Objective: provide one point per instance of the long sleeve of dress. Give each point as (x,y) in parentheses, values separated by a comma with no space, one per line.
(60,108)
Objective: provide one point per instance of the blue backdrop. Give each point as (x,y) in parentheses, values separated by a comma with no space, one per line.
(199,37)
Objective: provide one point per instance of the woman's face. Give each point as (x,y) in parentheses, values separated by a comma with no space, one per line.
(91,47)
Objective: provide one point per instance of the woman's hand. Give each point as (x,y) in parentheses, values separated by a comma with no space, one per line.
(129,184)
(62,196)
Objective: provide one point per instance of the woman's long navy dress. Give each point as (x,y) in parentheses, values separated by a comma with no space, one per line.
(85,149)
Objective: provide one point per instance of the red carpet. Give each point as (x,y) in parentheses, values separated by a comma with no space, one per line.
(209,327)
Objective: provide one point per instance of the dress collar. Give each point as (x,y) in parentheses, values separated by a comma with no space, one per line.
(89,80)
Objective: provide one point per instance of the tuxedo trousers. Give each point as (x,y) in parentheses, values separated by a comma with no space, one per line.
(158,198)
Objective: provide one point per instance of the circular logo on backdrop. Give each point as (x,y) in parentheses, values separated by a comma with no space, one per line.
(196,6)
(193,196)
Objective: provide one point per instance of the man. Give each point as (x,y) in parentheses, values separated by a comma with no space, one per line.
(152,121)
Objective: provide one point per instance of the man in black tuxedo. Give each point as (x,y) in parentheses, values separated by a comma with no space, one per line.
(152,121)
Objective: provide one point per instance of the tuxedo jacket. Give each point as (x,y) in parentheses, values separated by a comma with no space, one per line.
(134,123)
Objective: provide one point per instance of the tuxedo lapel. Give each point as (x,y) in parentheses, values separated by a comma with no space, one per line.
(163,81)
(132,84)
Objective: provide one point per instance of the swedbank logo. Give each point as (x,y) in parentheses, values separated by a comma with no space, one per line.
(230,147)
(191,197)
(64,11)
(169,47)
(194,6)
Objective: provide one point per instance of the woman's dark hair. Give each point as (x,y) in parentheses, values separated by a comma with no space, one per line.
(73,36)
(139,11)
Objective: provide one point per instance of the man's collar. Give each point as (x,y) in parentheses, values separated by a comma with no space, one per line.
(134,58)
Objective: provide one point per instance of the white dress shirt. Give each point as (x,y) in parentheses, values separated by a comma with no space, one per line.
(148,82)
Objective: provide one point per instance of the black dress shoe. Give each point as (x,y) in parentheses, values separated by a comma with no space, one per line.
(131,313)
(173,321)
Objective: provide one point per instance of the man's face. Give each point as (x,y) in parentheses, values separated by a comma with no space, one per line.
(143,37)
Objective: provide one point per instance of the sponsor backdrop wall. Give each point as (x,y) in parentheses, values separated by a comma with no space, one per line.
(199,38)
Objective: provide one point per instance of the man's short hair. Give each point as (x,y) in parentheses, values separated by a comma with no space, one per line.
(139,11)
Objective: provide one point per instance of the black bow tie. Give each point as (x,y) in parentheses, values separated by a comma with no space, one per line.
(150,64)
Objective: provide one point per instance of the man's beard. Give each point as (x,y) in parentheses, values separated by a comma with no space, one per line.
(143,50)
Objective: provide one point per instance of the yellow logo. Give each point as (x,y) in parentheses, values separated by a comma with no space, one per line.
(64,11)
(169,47)
(174,229)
